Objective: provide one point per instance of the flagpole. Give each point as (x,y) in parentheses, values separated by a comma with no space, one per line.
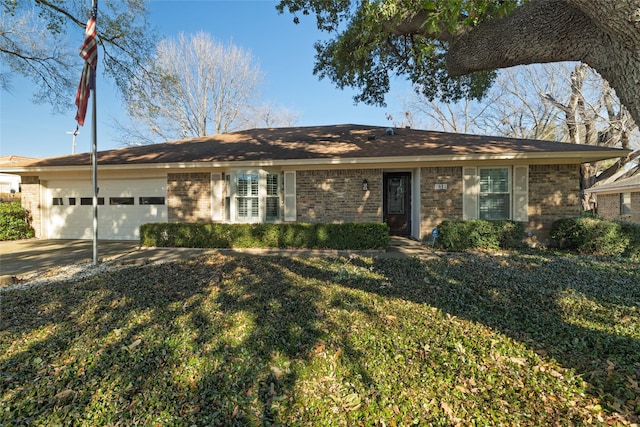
(94,157)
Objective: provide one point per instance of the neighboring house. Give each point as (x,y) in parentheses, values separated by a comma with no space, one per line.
(10,183)
(410,179)
(619,200)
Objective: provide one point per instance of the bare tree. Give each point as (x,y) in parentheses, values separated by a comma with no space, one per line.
(268,115)
(199,87)
(601,120)
(512,107)
(524,103)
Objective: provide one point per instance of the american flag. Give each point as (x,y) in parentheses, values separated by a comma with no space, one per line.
(89,52)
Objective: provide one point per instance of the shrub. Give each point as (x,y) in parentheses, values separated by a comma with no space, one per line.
(306,236)
(15,222)
(593,235)
(480,234)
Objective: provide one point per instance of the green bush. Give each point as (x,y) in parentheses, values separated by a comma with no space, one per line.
(15,222)
(357,236)
(480,234)
(593,235)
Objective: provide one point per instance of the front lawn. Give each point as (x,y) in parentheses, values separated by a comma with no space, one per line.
(468,339)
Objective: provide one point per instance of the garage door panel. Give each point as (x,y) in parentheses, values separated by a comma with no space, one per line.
(69,218)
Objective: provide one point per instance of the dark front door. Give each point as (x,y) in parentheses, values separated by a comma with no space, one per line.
(397,202)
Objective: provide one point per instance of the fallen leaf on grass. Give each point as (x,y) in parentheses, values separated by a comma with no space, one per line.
(447,409)
(65,394)
(518,361)
(337,354)
(135,344)
(610,367)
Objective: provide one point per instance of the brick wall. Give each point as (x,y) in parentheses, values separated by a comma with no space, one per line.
(31,201)
(438,205)
(554,192)
(609,207)
(337,196)
(189,197)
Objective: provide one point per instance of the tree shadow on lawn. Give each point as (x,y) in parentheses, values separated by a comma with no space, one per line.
(222,340)
(580,311)
(206,342)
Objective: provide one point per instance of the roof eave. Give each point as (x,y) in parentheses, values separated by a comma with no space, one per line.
(561,157)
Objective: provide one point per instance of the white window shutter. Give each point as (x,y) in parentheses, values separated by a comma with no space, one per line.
(217,186)
(290,195)
(470,190)
(521,193)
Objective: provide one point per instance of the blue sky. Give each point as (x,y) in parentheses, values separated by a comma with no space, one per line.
(283,50)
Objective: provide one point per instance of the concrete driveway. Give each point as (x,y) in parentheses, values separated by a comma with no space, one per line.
(35,256)
(23,257)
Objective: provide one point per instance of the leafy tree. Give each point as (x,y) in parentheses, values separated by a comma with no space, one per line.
(449,48)
(39,39)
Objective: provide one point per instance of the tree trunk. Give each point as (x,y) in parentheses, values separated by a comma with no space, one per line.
(603,34)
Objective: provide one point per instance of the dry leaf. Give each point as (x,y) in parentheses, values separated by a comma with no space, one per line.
(462,389)
(518,361)
(337,354)
(447,409)
(610,367)
(65,394)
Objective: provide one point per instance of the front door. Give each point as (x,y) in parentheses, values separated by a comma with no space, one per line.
(397,202)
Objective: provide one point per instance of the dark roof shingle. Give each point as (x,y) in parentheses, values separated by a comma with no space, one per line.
(316,142)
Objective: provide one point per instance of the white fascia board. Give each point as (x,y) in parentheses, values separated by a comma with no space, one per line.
(547,157)
(615,189)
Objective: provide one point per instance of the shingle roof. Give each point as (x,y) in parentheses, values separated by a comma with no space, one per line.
(322,142)
(621,185)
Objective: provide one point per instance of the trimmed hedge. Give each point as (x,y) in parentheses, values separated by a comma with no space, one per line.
(357,236)
(459,235)
(15,222)
(594,235)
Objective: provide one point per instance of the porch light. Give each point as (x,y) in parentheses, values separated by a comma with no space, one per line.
(365,185)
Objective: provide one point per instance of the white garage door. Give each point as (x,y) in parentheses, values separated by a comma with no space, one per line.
(123,205)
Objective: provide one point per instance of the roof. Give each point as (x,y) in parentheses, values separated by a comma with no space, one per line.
(15,160)
(631,183)
(331,145)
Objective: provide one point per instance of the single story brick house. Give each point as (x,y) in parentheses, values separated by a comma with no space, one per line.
(619,200)
(410,179)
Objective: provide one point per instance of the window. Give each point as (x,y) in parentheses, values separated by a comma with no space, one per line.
(151,201)
(121,200)
(58,201)
(273,197)
(494,198)
(251,196)
(625,204)
(72,201)
(227,197)
(247,196)
(88,201)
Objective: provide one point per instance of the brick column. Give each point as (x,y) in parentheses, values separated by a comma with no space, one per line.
(31,201)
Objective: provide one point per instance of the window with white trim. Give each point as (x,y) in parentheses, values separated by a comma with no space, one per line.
(625,204)
(273,197)
(252,196)
(494,198)
(247,200)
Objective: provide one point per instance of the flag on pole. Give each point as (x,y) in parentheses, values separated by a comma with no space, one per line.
(89,52)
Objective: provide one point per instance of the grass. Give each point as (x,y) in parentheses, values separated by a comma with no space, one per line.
(471,339)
